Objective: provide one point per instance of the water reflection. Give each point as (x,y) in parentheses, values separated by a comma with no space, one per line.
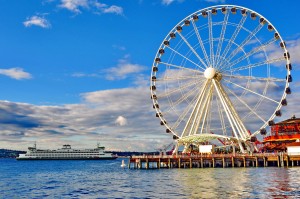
(240,182)
(214,183)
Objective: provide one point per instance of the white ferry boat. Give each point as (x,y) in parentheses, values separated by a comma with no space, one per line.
(66,153)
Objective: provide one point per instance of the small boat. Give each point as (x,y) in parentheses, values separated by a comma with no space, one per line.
(123,165)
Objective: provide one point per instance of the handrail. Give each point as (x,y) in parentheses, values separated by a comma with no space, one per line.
(237,155)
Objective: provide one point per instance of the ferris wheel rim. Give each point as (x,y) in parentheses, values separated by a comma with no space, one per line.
(181,23)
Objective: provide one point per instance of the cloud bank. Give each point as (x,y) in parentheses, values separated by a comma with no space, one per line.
(121,119)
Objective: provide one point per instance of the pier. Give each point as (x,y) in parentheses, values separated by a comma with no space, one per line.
(213,161)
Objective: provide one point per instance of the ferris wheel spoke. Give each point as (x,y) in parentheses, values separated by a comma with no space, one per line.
(183,97)
(256,64)
(255,50)
(178,78)
(201,43)
(182,116)
(192,49)
(211,42)
(231,41)
(269,79)
(245,104)
(224,25)
(185,58)
(178,89)
(181,67)
(238,49)
(252,91)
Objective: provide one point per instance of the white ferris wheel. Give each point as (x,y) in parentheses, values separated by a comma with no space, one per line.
(222,72)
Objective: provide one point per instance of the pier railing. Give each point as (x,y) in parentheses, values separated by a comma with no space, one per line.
(236,155)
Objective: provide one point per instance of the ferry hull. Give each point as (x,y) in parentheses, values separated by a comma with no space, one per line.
(46,158)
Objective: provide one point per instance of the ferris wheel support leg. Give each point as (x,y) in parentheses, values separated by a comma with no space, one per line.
(191,121)
(236,119)
(251,146)
(175,151)
(229,115)
(186,147)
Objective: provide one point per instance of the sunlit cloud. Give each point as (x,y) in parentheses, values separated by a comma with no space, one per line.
(121,121)
(123,69)
(77,6)
(113,9)
(167,2)
(74,5)
(37,21)
(15,73)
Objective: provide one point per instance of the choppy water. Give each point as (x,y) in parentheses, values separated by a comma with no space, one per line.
(106,179)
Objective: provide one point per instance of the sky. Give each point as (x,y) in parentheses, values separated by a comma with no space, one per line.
(77,71)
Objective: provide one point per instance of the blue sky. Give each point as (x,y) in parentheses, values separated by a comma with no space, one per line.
(77,71)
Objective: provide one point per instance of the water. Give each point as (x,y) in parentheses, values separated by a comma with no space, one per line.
(106,179)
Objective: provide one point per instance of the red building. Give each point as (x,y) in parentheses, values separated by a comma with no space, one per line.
(282,133)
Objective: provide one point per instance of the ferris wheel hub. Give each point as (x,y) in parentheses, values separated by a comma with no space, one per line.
(210,73)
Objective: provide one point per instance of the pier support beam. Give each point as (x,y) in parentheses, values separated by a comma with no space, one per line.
(147,163)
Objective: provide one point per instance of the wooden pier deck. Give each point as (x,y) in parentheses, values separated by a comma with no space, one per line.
(213,161)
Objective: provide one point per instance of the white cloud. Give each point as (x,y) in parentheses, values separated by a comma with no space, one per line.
(74,5)
(37,21)
(15,73)
(293,47)
(123,70)
(121,121)
(113,9)
(167,2)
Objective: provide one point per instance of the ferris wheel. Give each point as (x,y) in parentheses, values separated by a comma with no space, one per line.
(222,72)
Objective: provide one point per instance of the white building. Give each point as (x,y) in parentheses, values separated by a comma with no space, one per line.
(293,148)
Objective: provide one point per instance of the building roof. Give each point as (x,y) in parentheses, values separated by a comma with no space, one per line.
(292,120)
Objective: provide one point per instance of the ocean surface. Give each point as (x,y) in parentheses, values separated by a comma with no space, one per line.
(106,179)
